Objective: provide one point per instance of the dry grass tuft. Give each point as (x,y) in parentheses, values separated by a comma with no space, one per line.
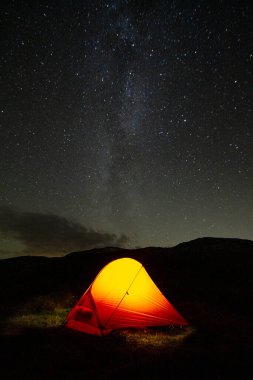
(171,338)
(43,319)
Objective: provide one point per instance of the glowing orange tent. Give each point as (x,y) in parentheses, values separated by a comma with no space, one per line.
(122,295)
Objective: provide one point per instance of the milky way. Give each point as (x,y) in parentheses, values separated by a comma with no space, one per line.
(132,120)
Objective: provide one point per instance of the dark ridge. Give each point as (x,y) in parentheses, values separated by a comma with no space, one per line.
(207,270)
(95,250)
(215,241)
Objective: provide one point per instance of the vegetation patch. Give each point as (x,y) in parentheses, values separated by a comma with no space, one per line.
(48,311)
(170,338)
(43,319)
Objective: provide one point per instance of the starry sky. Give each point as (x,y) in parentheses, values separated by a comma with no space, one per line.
(124,123)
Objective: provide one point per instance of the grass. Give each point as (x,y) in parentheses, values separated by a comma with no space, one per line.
(36,346)
(42,312)
(46,319)
(168,338)
(42,319)
(50,311)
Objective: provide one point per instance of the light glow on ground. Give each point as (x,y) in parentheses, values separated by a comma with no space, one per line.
(156,338)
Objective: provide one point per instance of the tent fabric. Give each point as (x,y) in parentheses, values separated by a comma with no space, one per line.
(122,295)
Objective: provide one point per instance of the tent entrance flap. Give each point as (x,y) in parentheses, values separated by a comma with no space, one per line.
(96,312)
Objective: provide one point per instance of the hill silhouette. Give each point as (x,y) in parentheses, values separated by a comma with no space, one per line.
(213,270)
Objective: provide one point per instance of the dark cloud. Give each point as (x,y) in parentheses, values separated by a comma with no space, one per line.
(49,234)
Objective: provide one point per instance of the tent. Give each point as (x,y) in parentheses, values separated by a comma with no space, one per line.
(122,295)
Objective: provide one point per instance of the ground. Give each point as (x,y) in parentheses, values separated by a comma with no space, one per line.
(39,346)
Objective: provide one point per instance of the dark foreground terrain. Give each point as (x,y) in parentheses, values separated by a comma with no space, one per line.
(208,280)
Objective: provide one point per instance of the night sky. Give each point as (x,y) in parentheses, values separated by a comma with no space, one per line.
(124,123)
